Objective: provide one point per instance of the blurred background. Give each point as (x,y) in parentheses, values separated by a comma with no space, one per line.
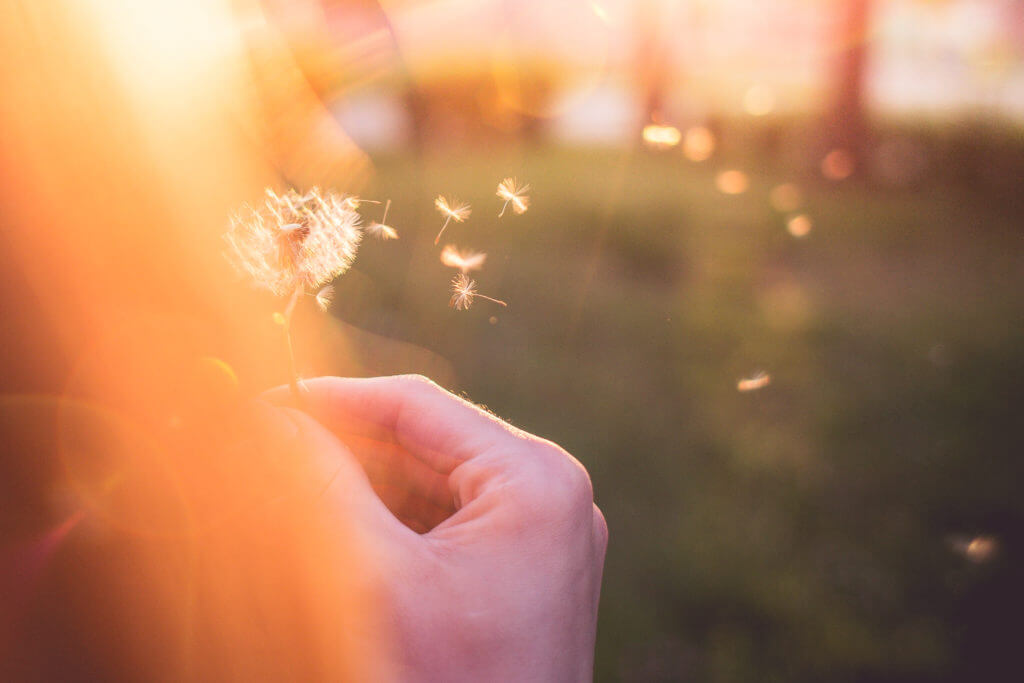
(769,291)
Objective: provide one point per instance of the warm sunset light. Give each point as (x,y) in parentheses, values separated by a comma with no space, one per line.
(463,340)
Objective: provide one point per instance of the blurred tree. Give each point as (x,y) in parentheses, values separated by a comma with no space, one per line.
(847,121)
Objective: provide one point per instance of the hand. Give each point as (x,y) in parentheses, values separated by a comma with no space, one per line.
(503,582)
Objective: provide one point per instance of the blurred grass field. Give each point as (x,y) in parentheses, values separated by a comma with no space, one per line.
(802,532)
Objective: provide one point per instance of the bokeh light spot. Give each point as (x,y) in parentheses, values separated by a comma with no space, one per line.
(661,137)
(699,144)
(837,165)
(732,182)
(799,225)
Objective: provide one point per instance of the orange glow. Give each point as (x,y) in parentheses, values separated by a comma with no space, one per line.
(732,182)
(837,165)
(786,197)
(699,144)
(661,137)
(799,225)
(131,131)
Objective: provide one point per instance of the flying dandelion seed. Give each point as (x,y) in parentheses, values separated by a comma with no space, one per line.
(467,260)
(758,381)
(353,202)
(978,549)
(293,243)
(515,194)
(452,210)
(982,548)
(661,137)
(382,230)
(464,292)
(324,297)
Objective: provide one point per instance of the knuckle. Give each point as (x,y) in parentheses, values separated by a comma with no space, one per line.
(413,380)
(565,482)
(418,384)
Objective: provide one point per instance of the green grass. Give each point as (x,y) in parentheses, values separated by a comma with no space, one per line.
(796,533)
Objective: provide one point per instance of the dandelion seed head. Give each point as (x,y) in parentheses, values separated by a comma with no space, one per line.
(294,240)
(452,208)
(512,192)
(464,260)
(324,297)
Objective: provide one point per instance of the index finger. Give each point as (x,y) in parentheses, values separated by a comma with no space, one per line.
(434,425)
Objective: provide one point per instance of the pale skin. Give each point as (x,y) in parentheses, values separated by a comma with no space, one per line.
(489,545)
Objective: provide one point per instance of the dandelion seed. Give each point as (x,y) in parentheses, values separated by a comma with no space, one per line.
(465,261)
(515,194)
(353,202)
(452,210)
(382,230)
(758,381)
(978,549)
(324,297)
(464,292)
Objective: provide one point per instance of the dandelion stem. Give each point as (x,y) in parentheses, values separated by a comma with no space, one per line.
(503,207)
(438,238)
(293,374)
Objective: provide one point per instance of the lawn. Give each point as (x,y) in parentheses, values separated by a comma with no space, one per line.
(804,531)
